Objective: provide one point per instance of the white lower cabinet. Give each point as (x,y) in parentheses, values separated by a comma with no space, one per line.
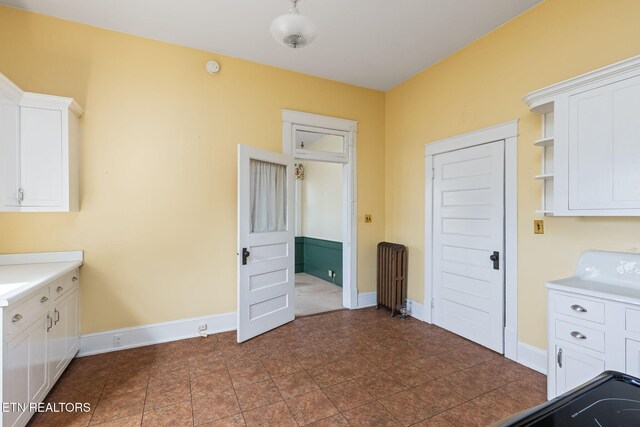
(575,368)
(26,374)
(588,335)
(64,340)
(40,337)
(633,357)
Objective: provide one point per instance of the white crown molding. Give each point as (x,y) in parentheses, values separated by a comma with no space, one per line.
(10,90)
(538,100)
(30,99)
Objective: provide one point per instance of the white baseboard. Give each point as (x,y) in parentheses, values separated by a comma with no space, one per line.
(415,309)
(367,299)
(532,357)
(138,336)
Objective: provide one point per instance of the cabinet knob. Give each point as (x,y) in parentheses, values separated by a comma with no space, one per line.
(59,289)
(16,318)
(578,335)
(44,299)
(578,308)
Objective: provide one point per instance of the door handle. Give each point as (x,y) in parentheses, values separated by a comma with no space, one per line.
(245,254)
(559,358)
(496,260)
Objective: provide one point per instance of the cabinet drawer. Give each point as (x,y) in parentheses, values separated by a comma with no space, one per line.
(66,283)
(580,308)
(26,311)
(580,335)
(632,320)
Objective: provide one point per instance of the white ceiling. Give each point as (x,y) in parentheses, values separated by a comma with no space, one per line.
(371,43)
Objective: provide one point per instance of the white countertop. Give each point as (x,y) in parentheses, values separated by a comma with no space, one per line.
(21,274)
(592,288)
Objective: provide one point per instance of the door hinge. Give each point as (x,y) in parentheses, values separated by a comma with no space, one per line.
(433,303)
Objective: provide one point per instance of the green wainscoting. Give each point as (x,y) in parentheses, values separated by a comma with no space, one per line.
(299,254)
(316,257)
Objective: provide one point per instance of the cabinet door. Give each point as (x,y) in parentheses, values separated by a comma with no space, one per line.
(26,376)
(9,152)
(603,147)
(633,358)
(64,335)
(574,368)
(41,157)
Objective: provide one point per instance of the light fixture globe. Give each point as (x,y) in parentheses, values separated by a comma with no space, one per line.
(293,29)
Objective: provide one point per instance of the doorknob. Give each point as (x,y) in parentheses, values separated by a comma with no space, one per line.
(496,260)
(245,254)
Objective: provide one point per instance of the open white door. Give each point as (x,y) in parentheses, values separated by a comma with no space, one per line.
(468,243)
(266,233)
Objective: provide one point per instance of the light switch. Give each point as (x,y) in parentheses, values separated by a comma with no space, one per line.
(538,226)
(368,218)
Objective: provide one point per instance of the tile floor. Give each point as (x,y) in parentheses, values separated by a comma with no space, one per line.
(315,295)
(358,368)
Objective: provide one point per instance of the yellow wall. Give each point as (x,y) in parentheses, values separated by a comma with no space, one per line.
(158,163)
(482,85)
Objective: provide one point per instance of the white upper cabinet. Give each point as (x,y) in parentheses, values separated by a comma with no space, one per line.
(596,141)
(38,143)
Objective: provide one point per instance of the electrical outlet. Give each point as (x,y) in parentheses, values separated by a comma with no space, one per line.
(330,273)
(117,340)
(368,218)
(538,226)
(202,327)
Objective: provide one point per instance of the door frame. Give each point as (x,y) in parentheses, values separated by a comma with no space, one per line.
(509,133)
(291,119)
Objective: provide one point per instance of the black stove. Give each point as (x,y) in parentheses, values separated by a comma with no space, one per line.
(612,399)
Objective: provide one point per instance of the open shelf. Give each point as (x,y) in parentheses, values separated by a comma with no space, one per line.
(544,142)
(544,176)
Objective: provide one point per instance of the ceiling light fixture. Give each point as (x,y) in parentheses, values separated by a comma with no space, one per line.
(293,29)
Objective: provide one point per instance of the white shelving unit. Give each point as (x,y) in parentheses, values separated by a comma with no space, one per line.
(547,170)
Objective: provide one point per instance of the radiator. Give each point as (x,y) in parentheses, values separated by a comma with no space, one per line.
(392,276)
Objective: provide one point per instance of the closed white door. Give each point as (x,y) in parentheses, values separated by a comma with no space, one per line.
(266,233)
(468,243)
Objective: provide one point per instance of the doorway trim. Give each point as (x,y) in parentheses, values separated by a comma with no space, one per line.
(291,119)
(509,133)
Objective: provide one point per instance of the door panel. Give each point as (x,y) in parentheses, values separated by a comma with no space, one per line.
(468,212)
(576,369)
(266,248)
(41,156)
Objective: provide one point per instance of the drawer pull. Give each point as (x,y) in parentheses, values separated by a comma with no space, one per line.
(578,335)
(16,318)
(44,299)
(59,289)
(578,308)
(75,279)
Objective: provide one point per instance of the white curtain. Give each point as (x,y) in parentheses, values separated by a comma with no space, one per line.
(268,197)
